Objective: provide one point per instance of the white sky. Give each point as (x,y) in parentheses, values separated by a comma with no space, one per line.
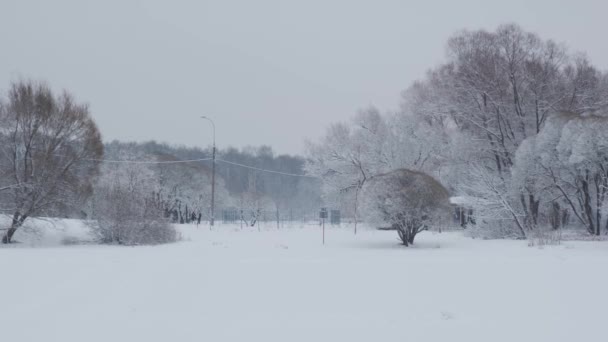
(268,72)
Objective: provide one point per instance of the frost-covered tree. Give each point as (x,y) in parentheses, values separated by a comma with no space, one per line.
(181,189)
(497,213)
(408,201)
(568,160)
(498,89)
(341,160)
(184,189)
(350,154)
(49,146)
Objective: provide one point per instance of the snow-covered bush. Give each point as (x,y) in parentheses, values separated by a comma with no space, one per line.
(125,217)
(124,210)
(408,201)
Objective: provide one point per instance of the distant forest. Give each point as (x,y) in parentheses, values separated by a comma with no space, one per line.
(247,192)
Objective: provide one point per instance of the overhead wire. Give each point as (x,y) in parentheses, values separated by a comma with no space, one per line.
(265,170)
(199,160)
(149,161)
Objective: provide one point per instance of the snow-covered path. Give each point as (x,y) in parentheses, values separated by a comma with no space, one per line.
(283,285)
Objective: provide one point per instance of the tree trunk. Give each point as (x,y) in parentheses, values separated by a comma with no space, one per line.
(404,238)
(599,199)
(588,210)
(17,222)
(534,206)
(9,235)
(530,207)
(403,234)
(407,233)
(411,238)
(565,217)
(356,205)
(555,216)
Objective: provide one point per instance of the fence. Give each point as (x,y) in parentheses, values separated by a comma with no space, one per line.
(251,217)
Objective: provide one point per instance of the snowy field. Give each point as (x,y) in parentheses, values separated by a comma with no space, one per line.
(283,285)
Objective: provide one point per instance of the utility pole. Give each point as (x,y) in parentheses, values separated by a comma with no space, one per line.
(211,222)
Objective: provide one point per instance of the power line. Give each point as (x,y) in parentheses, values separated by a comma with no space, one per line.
(199,160)
(149,161)
(264,170)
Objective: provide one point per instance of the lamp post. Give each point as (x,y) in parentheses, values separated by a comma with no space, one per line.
(212,174)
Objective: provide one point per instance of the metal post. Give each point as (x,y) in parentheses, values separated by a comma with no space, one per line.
(213,187)
(323,216)
(211,222)
(323,231)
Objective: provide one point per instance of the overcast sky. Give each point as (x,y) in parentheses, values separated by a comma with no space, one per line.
(268,72)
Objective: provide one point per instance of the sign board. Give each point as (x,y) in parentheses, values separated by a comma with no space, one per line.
(335,217)
(323,213)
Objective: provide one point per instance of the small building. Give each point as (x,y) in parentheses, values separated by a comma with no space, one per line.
(463,210)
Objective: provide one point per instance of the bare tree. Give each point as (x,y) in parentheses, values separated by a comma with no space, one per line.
(49,151)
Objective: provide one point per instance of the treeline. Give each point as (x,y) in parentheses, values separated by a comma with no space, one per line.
(512,124)
(251,182)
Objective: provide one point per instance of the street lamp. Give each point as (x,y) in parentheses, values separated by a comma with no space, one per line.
(212,174)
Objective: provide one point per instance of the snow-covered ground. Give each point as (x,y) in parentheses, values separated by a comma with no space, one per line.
(283,285)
